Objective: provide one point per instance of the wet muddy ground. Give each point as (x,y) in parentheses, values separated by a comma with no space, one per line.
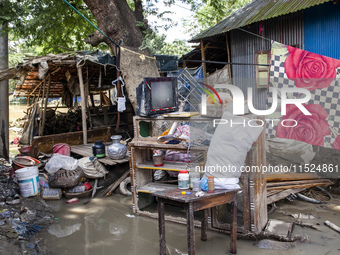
(107,226)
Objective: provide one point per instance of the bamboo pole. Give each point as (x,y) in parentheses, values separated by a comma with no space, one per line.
(45,106)
(204,65)
(42,108)
(83,103)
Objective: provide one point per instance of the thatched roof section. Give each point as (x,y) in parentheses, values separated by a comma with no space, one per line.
(98,70)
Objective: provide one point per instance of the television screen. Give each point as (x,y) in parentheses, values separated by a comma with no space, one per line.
(156,95)
(162,94)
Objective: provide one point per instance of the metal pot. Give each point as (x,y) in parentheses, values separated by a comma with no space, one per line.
(116,150)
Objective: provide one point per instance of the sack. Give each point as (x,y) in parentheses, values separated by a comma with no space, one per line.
(66,178)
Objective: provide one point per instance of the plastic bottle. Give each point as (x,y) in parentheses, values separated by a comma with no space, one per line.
(211,184)
(98,149)
(183,179)
(77,189)
(51,194)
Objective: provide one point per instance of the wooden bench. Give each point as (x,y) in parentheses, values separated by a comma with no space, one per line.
(45,143)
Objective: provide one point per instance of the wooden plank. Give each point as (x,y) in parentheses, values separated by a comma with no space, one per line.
(282,195)
(85,150)
(168,165)
(153,187)
(289,183)
(45,143)
(213,201)
(291,177)
(273,192)
(260,181)
(152,144)
(308,185)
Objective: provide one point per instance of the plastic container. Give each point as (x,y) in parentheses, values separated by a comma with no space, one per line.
(194,176)
(196,185)
(98,149)
(62,148)
(28,179)
(158,160)
(183,180)
(50,194)
(211,184)
(77,189)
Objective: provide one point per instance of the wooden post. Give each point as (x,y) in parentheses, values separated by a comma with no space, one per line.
(229,58)
(4,100)
(204,65)
(42,108)
(41,132)
(83,103)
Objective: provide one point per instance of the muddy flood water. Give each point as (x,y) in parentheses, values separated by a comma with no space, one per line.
(107,226)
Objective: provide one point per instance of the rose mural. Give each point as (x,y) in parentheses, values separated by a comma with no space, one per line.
(309,70)
(292,67)
(336,143)
(310,128)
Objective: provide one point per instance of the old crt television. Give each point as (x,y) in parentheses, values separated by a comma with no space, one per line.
(157,95)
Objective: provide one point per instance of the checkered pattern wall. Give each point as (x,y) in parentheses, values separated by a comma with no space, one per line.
(326,97)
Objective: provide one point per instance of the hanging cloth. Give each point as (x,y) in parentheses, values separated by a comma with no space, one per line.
(121,101)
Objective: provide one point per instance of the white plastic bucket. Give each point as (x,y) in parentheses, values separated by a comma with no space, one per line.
(28,179)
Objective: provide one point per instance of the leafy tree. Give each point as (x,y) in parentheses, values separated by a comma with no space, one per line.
(52,23)
(210,14)
(47,23)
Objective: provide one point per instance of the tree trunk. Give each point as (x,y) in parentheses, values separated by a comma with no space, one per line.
(4,111)
(118,21)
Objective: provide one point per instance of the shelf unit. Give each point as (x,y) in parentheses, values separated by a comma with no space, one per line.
(142,182)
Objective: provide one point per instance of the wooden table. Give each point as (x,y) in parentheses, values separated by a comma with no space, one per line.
(191,203)
(85,150)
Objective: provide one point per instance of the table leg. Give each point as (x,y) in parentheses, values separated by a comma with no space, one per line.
(161,227)
(204,225)
(233,232)
(190,229)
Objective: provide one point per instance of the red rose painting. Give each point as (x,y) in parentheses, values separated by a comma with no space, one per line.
(310,128)
(336,143)
(309,70)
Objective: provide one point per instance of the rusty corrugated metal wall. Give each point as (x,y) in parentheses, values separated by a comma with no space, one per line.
(288,29)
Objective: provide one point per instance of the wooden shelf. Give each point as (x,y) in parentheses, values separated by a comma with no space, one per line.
(152,187)
(152,143)
(168,165)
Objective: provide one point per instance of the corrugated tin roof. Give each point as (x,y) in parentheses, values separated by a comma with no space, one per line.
(255,11)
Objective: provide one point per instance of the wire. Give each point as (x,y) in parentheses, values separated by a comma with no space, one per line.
(142,56)
(262,37)
(223,63)
(90,22)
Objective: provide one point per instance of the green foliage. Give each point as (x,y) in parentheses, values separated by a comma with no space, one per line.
(48,24)
(156,45)
(211,13)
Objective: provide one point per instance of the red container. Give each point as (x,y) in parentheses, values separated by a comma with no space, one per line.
(62,148)
(26,149)
(24,161)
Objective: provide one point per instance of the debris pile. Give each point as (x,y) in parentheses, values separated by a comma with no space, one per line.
(21,219)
